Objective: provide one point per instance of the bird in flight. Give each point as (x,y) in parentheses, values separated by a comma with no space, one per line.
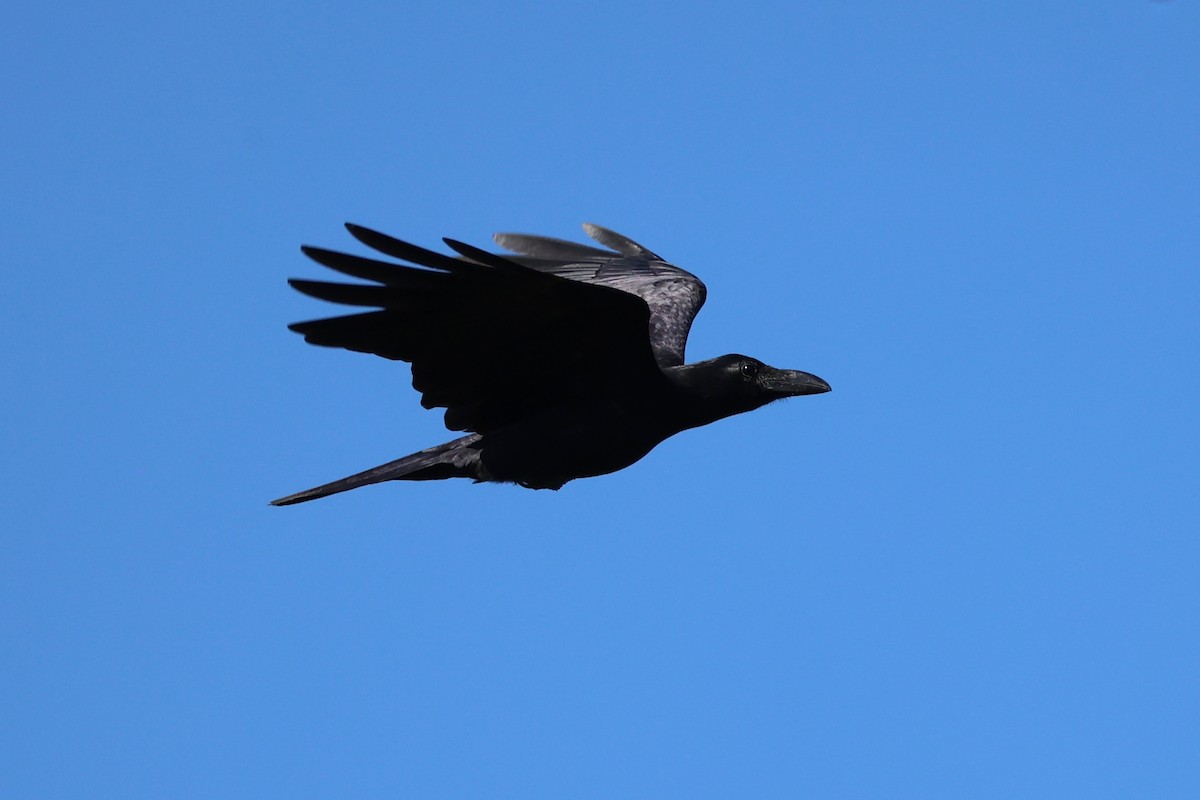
(559,362)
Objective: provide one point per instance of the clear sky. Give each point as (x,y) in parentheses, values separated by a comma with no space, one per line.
(972,570)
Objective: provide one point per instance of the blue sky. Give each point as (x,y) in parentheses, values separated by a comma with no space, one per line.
(972,570)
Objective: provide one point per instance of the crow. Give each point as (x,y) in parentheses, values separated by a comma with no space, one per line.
(562,361)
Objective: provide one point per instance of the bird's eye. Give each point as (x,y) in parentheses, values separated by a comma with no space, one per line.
(749,369)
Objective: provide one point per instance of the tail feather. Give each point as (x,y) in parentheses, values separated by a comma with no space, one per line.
(448,460)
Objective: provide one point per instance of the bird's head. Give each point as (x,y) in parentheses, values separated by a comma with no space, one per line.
(734,384)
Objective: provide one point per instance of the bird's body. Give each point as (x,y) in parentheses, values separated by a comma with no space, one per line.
(564,362)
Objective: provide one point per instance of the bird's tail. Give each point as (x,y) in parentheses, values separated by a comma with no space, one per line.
(456,459)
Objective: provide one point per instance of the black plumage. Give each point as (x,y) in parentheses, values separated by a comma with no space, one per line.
(564,361)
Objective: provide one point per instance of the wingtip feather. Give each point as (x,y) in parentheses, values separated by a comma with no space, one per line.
(622,244)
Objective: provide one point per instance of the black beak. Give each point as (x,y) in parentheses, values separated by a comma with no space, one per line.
(791,382)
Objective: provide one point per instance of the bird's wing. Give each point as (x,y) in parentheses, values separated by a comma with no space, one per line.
(673,295)
(489,340)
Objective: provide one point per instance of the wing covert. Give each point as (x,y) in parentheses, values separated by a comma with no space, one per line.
(673,295)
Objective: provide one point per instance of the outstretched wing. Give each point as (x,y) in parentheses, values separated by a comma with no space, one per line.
(489,339)
(673,295)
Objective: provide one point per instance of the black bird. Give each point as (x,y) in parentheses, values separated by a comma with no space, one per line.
(563,362)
